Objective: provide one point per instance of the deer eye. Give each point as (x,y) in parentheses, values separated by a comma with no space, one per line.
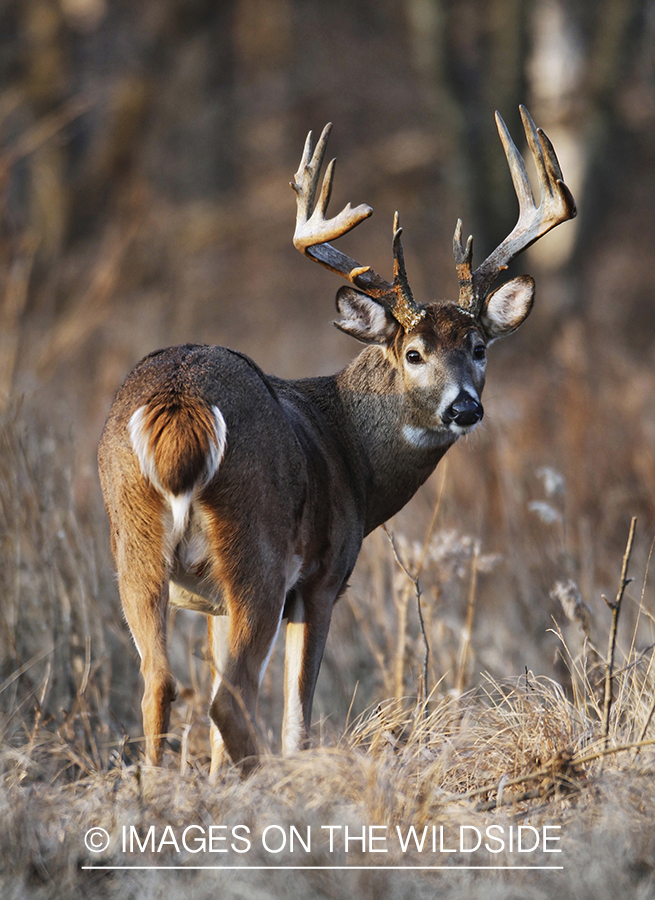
(479,352)
(413,357)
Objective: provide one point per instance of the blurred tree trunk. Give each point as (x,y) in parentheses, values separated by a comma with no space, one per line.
(578,99)
(46,76)
(473,53)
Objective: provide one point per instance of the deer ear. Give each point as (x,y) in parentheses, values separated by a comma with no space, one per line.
(508,307)
(364,318)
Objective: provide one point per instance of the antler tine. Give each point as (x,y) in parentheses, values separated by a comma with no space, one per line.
(517,168)
(405,310)
(555,173)
(463,259)
(556,203)
(399,273)
(555,195)
(462,256)
(306,178)
(532,137)
(326,191)
(313,231)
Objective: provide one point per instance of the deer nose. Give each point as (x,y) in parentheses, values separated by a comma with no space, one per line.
(465,410)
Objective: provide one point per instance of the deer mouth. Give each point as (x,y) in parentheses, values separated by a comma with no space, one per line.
(459,430)
(463,413)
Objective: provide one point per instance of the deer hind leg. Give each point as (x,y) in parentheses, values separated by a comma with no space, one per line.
(143,586)
(254,622)
(146,612)
(307,629)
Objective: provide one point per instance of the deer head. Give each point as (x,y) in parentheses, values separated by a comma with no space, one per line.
(439,349)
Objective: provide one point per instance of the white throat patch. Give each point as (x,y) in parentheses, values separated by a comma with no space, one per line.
(425,438)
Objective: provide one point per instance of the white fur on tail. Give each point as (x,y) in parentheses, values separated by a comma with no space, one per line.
(145,452)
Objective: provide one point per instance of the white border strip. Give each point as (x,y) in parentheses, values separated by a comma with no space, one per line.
(340,868)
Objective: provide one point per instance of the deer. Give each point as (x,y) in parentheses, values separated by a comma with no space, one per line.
(246,497)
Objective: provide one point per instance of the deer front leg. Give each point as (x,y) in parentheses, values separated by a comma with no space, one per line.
(218,633)
(307,629)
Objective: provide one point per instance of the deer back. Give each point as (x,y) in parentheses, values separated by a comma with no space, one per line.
(205,425)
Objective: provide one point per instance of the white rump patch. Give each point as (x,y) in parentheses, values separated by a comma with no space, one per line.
(193,551)
(179,503)
(217,446)
(140,440)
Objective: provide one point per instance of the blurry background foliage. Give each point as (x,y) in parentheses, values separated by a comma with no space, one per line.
(145,154)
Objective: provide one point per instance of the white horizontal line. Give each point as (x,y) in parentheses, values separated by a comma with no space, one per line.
(323,868)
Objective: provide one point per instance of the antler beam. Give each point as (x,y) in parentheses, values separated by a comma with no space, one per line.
(556,205)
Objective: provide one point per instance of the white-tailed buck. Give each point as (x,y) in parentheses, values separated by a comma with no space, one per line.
(247,497)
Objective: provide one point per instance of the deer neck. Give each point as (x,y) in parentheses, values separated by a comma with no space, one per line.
(382,430)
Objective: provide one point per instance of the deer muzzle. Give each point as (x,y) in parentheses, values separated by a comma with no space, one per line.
(465,411)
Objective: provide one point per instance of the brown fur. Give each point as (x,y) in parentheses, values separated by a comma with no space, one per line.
(179,433)
(444,321)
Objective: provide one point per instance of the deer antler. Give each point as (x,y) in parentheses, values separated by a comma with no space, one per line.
(313,231)
(556,205)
